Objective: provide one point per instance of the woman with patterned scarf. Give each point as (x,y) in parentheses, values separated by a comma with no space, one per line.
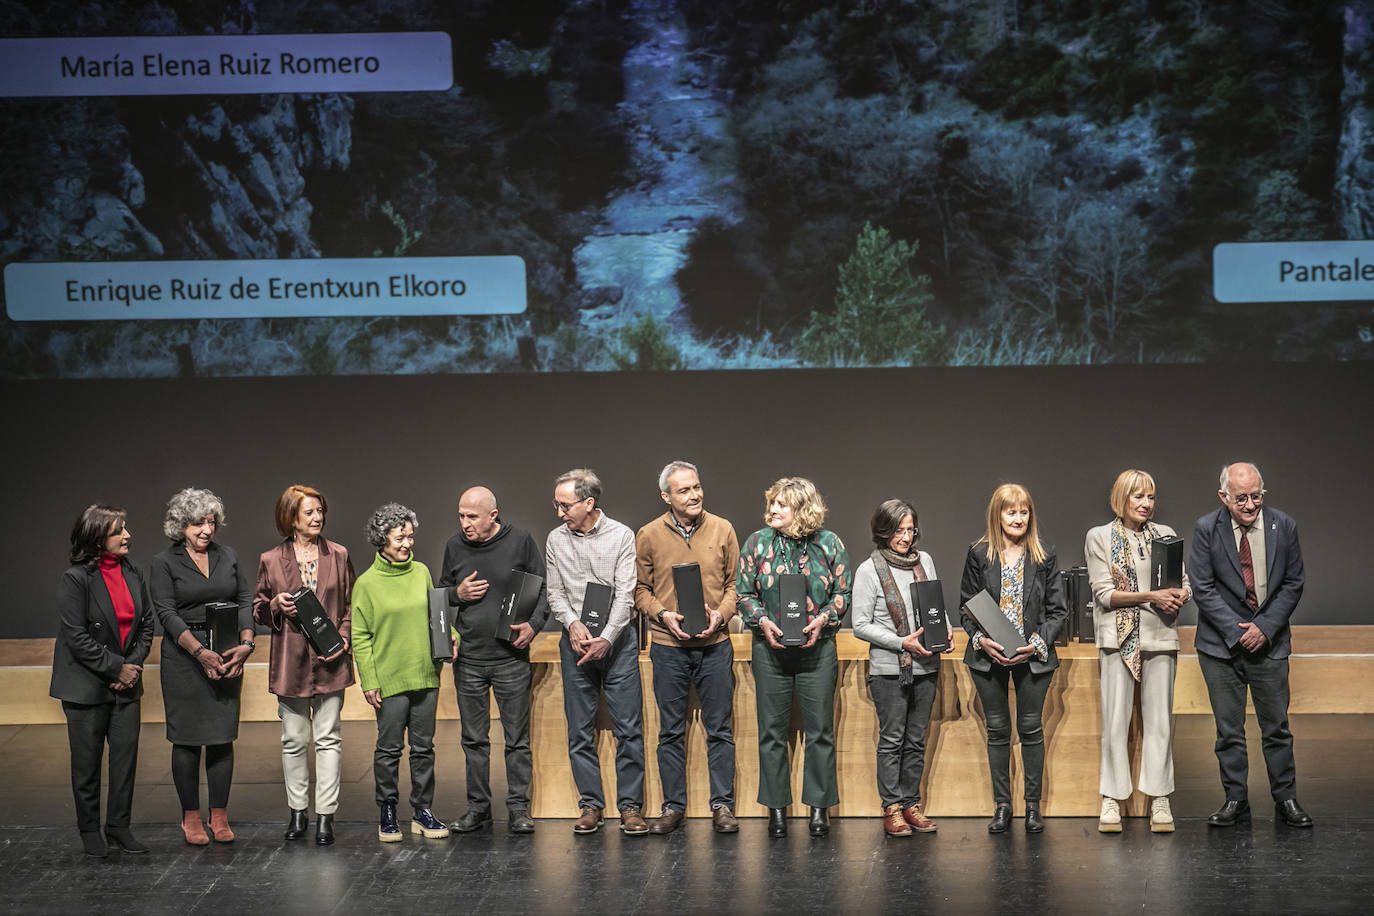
(902,673)
(1137,643)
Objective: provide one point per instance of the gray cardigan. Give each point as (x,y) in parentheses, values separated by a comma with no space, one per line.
(873,623)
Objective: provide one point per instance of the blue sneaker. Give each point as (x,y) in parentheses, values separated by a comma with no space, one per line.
(388,831)
(429,825)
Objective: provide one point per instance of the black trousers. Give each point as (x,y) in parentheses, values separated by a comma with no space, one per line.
(89,730)
(1267,680)
(1031,690)
(510,682)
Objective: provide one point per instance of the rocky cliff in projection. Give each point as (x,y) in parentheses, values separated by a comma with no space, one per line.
(727,184)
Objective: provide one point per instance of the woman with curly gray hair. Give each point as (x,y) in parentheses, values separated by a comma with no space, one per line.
(397,670)
(200,686)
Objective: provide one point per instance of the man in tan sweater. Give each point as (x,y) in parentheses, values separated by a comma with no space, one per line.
(687,533)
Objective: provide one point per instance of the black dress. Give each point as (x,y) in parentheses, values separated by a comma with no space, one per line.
(199,710)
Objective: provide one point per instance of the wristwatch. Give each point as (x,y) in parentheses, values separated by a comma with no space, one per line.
(660,618)
(249,643)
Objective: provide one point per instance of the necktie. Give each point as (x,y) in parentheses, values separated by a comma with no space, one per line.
(1247,569)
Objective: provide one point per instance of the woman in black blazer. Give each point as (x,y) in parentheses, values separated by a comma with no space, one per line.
(105,627)
(1022,576)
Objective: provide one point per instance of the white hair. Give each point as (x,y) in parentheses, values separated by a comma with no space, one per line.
(670,469)
(1225,485)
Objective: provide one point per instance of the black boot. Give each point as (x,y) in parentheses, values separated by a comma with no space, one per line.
(94,844)
(1034,822)
(777,822)
(820,821)
(295,825)
(123,837)
(1001,819)
(324,830)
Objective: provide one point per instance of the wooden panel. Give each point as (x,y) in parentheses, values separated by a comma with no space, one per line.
(1340,680)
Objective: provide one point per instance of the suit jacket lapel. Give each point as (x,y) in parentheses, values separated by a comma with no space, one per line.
(1030,583)
(105,605)
(1227,536)
(1271,544)
(291,570)
(994,578)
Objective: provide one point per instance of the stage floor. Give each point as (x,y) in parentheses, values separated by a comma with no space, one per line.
(1071,868)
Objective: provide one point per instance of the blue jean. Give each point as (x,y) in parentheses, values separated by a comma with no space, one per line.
(617,676)
(710,670)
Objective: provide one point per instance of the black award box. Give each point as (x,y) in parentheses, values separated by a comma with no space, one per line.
(522,596)
(319,630)
(792,608)
(596,607)
(440,625)
(1166,562)
(222,626)
(1078,597)
(928,598)
(691,602)
(994,623)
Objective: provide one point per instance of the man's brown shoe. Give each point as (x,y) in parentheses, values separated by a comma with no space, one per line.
(632,822)
(918,821)
(894,824)
(667,822)
(589,822)
(723,820)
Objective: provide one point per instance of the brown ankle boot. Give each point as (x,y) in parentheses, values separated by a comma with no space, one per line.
(194,828)
(219,826)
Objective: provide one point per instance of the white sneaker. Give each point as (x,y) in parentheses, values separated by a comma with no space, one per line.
(1161,818)
(1110,819)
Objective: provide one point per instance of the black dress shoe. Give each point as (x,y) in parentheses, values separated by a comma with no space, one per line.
(1229,814)
(1034,822)
(820,821)
(1291,813)
(470,821)
(94,844)
(1001,819)
(324,830)
(777,822)
(295,825)
(123,837)
(519,821)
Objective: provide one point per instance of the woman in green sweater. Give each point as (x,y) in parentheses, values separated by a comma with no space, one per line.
(398,674)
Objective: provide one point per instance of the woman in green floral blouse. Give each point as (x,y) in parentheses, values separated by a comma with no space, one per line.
(795,542)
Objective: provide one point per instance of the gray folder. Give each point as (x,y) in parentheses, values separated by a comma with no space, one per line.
(994,623)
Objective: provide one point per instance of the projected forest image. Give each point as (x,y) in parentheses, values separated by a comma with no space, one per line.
(728,184)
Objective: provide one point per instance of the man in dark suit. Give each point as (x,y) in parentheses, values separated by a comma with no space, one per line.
(1246,569)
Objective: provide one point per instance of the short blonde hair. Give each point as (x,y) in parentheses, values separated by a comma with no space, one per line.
(808,509)
(1129,482)
(1011,496)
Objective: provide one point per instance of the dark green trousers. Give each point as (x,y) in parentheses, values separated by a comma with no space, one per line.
(811,675)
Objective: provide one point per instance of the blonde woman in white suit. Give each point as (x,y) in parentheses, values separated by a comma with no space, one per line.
(1136,631)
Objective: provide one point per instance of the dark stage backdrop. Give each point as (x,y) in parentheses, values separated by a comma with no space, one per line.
(943,438)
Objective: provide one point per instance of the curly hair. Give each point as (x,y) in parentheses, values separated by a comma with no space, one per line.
(808,509)
(387,517)
(187,507)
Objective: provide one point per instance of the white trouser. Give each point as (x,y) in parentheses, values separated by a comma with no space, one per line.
(1157,719)
(299,718)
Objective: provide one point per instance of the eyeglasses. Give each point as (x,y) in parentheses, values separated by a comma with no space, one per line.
(565,507)
(1243,499)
